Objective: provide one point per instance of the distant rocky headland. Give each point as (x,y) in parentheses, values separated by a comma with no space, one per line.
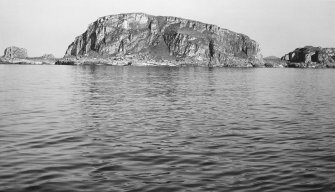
(142,39)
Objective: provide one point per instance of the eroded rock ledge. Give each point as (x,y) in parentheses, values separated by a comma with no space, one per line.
(141,38)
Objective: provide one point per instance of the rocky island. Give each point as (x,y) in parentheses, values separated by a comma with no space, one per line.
(311,57)
(142,39)
(17,55)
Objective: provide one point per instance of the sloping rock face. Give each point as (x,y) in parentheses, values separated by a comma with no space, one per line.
(162,38)
(311,57)
(15,52)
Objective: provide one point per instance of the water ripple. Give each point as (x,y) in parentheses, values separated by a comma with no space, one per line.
(105,128)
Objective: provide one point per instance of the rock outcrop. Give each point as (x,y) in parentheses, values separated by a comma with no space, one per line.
(16,55)
(144,37)
(15,52)
(311,57)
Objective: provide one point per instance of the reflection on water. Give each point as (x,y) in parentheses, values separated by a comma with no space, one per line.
(108,128)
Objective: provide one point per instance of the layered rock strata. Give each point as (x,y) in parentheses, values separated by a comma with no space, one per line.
(142,37)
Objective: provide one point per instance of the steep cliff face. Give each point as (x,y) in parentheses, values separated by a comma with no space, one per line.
(311,56)
(165,38)
(15,52)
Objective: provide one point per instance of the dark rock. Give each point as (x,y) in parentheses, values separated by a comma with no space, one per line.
(157,38)
(15,52)
(65,62)
(309,56)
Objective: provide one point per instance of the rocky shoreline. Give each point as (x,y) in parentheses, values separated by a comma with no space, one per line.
(135,61)
(268,63)
(28,61)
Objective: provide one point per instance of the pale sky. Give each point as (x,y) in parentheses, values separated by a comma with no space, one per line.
(279,26)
